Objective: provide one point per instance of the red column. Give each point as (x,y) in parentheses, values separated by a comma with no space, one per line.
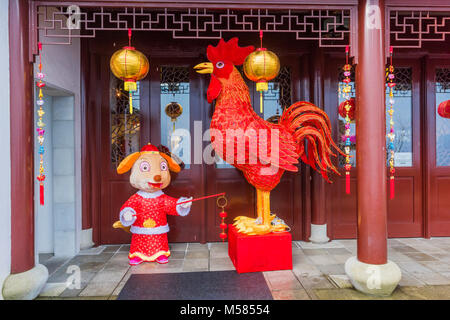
(318,214)
(371,134)
(22,138)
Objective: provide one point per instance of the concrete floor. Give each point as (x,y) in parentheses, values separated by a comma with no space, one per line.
(318,270)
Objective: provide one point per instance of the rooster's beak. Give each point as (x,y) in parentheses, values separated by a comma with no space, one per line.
(204,67)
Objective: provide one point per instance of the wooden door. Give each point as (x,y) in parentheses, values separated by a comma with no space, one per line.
(174,80)
(112,134)
(169,80)
(438,142)
(405,217)
(405,212)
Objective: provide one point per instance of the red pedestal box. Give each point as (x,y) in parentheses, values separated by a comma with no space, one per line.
(267,252)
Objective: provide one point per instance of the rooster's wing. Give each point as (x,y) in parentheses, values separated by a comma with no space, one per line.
(275,145)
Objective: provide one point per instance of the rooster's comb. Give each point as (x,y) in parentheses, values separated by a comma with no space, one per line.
(229,51)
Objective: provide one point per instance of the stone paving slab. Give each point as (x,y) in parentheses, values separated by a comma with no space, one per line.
(318,270)
(92,251)
(340,281)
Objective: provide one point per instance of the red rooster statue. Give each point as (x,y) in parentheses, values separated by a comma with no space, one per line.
(299,123)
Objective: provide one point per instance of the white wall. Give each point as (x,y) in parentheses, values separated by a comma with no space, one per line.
(5,162)
(64,195)
(44,214)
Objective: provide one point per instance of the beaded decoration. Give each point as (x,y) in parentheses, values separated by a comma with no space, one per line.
(391,135)
(223,215)
(344,92)
(40,128)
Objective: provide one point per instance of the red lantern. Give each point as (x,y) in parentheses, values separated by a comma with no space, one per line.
(444,109)
(351,111)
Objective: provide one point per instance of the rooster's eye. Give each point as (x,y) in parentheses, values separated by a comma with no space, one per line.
(220,65)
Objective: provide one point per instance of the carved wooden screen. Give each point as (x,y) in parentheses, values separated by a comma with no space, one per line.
(125,127)
(402,117)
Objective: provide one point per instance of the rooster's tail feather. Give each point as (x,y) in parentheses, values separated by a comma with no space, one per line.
(310,123)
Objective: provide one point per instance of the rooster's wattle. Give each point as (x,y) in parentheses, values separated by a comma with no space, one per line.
(261,150)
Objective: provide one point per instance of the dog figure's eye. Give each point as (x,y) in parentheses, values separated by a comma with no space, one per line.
(144,166)
(163,166)
(220,65)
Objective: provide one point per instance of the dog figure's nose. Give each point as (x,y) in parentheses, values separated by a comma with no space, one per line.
(157,178)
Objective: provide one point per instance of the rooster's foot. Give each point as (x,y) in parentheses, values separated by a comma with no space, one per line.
(251,226)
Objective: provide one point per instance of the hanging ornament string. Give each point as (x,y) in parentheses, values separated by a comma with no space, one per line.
(222,203)
(344,92)
(130,87)
(391,135)
(261,99)
(40,128)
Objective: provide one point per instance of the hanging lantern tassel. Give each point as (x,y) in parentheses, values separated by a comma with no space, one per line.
(392,186)
(41,192)
(130,86)
(261,102)
(131,103)
(347,182)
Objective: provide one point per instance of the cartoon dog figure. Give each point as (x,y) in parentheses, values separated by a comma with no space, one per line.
(144,214)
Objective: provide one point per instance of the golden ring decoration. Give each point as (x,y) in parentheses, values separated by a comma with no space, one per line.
(224,203)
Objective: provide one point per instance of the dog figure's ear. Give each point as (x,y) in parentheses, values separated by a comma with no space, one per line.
(166,151)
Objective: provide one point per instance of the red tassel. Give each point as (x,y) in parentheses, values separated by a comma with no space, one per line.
(392,187)
(41,193)
(347,182)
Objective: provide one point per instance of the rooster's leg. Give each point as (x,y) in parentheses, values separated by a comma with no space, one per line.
(259,206)
(263,224)
(267,217)
(265,207)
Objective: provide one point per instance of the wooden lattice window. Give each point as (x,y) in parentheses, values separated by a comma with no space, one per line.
(403,113)
(279,96)
(442,92)
(175,89)
(125,127)
(403,82)
(174,80)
